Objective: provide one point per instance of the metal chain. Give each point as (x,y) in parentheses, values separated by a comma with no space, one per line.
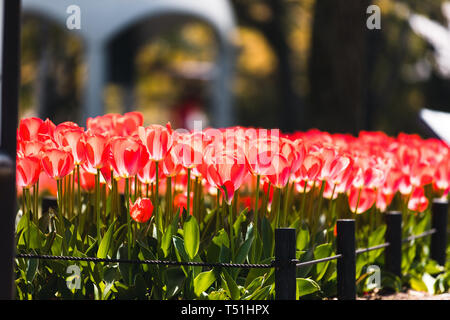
(157,262)
(273,263)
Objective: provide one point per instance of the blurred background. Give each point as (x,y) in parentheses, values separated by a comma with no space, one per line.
(291,64)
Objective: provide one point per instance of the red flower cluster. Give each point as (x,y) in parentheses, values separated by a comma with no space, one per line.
(370,168)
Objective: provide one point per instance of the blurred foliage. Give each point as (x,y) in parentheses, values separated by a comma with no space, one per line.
(271,86)
(52,70)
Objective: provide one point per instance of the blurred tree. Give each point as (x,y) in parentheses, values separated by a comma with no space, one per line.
(51,71)
(269,18)
(337,67)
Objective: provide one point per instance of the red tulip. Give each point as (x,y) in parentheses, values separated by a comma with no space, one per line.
(27,171)
(57,163)
(310,168)
(188,149)
(225,172)
(30,148)
(260,154)
(97,152)
(87,180)
(158,141)
(128,156)
(361,200)
(29,128)
(383,200)
(171,165)
(418,202)
(278,172)
(73,137)
(147,174)
(141,210)
(103,124)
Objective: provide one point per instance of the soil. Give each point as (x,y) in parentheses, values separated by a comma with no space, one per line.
(408,295)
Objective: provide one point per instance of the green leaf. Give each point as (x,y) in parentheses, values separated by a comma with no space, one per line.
(267,238)
(218,295)
(183,256)
(302,238)
(167,239)
(376,238)
(418,284)
(179,249)
(390,280)
(306,286)
(432,267)
(32,266)
(243,251)
(323,251)
(242,255)
(203,281)
(175,280)
(230,286)
(260,293)
(237,224)
(191,236)
(105,244)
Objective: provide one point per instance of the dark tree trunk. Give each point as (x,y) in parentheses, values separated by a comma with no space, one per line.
(337,65)
(290,105)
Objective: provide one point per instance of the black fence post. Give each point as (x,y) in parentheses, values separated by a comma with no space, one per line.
(393,252)
(10,64)
(439,220)
(285,269)
(346,265)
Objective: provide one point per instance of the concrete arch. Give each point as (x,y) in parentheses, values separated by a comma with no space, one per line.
(102,20)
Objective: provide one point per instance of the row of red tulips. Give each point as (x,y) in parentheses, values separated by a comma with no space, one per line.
(115,150)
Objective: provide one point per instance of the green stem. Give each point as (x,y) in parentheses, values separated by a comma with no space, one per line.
(127,206)
(79,189)
(285,204)
(188,190)
(169,200)
(230,221)
(97,205)
(302,211)
(218,210)
(255,210)
(277,216)
(25,213)
(157,187)
(60,201)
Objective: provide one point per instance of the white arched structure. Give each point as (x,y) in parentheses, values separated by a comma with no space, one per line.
(102,20)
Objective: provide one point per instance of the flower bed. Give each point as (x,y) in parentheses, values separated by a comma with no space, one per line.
(214,195)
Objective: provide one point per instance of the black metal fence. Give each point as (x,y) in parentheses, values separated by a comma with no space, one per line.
(286,264)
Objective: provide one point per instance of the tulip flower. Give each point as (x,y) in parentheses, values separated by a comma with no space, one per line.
(57,163)
(73,137)
(28,169)
(418,202)
(141,210)
(29,128)
(127,156)
(97,152)
(361,200)
(226,173)
(157,139)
